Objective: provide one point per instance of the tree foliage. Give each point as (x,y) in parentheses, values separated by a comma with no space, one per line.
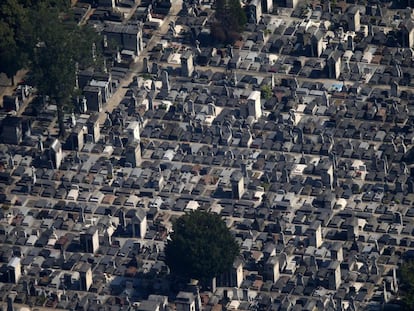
(230,21)
(60,47)
(42,36)
(16,31)
(407,284)
(201,246)
(13,38)
(266,91)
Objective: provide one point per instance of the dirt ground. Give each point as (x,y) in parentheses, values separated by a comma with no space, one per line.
(5,84)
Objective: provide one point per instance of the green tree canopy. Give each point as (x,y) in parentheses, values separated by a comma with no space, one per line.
(16,30)
(60,46)
(42,35)
(201,246)
(407,284)
(266,91)
(13,38)
(230,21)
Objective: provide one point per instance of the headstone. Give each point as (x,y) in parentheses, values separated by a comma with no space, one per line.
(295,83)
(108,237)
(398,218)
(94,51)
(62,252)
(325,98)
(327,180)
(374,269)
(227,91)
(261,36)
(150,103)
(350,43)
(300,135)
(154,69)
(394,279)
(234,78)
(230,51)
(110,169)
(40,143)
(122,220)
(26,287)
(83,105)
(322,138)
(292,116)
(385,293)
(118,57)
(303,159)
(377,249)
(394,89)
(244,169)
(165,81)
(28,131)
(410,185)
(300,280)
(398,186)
(313,262)
(282,238)
(399,71)
(190,107)
(105,66)
(118,142)
(145,65)
(111,137)
(197,44)
(339,305)
(211,109)
(370,30)
(334,160)
(10,306)
(285,176)
(385,165)
(403,146)
(73,120)
(105,41)
(76,75)
(89,138)
(318,184)
(82,214)
(33,175)
(172,28)
(133,101)
(347,67)
(351,146)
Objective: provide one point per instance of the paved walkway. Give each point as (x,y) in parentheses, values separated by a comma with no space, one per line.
(113,102)
(136,68)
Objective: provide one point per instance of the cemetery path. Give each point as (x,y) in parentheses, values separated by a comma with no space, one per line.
(116,98)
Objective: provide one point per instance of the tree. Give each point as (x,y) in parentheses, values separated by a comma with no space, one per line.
(7,52)
(59,47)
(13,38)
(201,246)
(16,30)
(266,91)
(230,20)
(407,284)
